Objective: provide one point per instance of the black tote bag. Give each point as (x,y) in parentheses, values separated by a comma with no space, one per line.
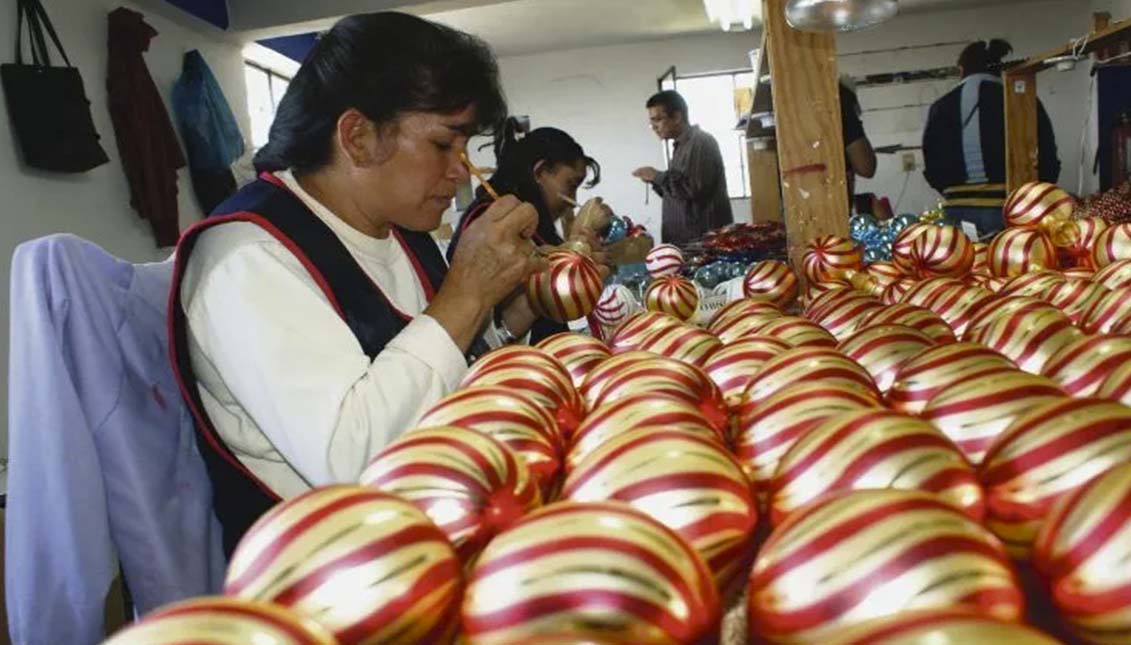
(49,111)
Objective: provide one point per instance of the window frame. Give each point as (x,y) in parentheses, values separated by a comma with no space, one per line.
(273,77)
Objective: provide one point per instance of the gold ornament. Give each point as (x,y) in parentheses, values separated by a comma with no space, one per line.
(585,571)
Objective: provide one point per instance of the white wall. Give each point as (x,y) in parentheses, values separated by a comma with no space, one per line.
(95,205)
(596,94)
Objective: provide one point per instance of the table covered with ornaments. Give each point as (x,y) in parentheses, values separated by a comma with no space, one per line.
(934,448)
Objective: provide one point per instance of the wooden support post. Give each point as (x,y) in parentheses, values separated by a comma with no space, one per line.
(1021,149)
(810,142)
(765,180)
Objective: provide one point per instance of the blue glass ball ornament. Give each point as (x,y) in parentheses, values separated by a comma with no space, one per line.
(862,226)
(903,221)
(618,230)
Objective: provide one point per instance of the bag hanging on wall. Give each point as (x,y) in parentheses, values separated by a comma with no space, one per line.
(49,111)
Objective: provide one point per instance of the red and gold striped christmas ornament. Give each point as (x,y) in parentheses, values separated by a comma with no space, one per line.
(1076,297)
(673,295)
(896,291)
(1029,337)
(827,258)
(664,260)
(884,273)
(918,318)
(818,306)
(1107,312)
(368,566)
(845,316)
(1115,275)
(945,627)
(874,449)
(470,485)
(568,289)
(933,370)
(942,251)
(1112,245)
(1020,250)
(734,366)
(741,326)
(600,571)
(1078,273)
(639,372)
(974,413)
(638,327)
(803,364)
(223,621)
(901,248)
(683,480)
(1032,203)
(883,349)
(739,309)
(683,342)
(644,410)
(1088,232)
(958,305)
(993,284)
(511,418)
(1036,284)
(981,265)
(771,280)
(536,374)
(997,308)
(577,353)
(767,431)
(1081,367)
(864,555)
(1082,550)
(1044,456)
(796,331)
(614,306)
(925,292)
(1117,386)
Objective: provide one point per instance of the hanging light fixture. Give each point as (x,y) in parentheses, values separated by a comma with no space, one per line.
(838,15)
(729,13)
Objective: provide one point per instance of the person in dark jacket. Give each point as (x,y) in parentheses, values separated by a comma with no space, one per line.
(544,167)
(964,142)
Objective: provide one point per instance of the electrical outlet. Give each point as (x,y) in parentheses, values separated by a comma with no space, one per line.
(909,162)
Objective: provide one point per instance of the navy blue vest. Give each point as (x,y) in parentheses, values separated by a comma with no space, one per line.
(240,498)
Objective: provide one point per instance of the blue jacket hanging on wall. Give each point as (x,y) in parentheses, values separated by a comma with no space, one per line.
(212,137)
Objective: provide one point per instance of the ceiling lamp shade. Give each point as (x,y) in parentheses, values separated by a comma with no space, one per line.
(729,13)
(838,15)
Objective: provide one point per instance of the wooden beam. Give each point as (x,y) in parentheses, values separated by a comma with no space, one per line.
(1113,34)
(810,142)
(1021,144)
(765,180)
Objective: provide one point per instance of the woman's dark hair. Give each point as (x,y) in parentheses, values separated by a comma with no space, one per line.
(984,58)
(382,64)
(515,157)
(672,102)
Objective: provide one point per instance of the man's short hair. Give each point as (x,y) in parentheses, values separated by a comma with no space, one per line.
(671,101)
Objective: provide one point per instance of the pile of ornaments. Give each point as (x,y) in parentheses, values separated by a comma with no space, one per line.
(876,237)
(947,462)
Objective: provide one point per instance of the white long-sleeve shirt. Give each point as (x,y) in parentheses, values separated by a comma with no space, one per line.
(283,379)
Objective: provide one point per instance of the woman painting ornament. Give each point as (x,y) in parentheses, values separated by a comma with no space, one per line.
(314,319)
(964,141)
(545,167)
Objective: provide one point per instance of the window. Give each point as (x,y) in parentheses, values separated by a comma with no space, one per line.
(711,101)
(265,88)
